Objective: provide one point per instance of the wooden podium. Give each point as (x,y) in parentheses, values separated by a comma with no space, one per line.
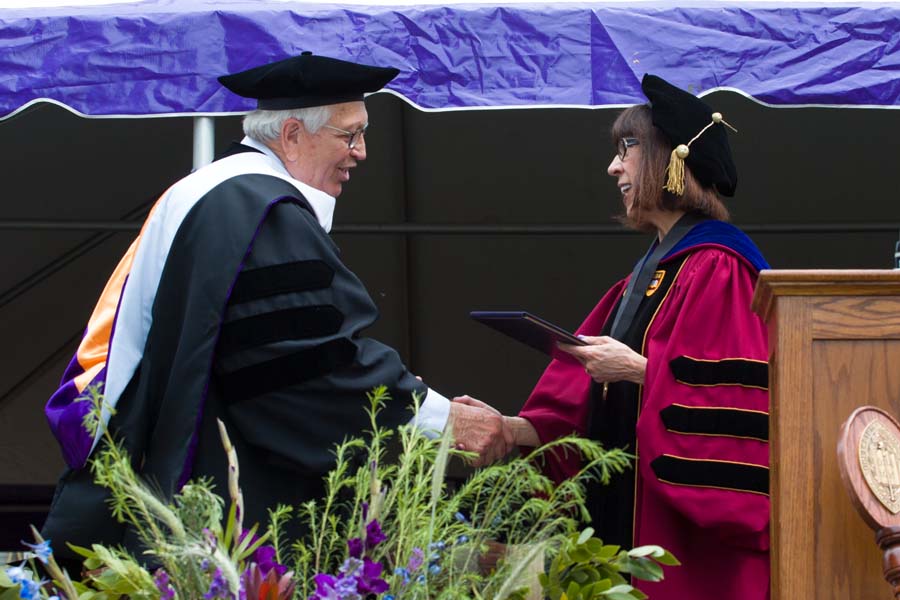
(834,345)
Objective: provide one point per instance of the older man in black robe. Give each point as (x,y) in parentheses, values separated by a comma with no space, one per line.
(234,304)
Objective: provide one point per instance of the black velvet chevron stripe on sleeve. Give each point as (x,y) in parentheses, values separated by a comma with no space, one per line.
(729,371)
(716,421)
(298,276)
(712,474)
(285,371)
(289,324)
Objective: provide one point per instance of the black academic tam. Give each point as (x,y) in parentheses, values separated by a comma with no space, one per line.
(307,80)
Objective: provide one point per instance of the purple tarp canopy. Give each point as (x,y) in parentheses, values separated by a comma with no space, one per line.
(162,57)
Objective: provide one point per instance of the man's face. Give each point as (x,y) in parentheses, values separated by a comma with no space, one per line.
(324,159)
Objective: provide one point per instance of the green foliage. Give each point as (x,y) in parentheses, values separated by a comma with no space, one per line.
(586,568)
(186,537)
(8,589)
(439,543)
(113,574)
(198,507)
(513,501)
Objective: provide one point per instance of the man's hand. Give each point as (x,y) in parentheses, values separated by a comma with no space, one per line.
(470,401)
(479,428)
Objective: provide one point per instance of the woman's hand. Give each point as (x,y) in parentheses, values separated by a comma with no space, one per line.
(608,360)
(524,433)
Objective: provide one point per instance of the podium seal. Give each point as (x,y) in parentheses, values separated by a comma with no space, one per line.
(879,461)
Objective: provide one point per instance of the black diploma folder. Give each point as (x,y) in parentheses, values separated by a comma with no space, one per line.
(529,329)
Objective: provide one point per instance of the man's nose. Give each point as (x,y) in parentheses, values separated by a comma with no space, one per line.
(359,149)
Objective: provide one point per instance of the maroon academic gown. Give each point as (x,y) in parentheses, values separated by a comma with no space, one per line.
(699,425)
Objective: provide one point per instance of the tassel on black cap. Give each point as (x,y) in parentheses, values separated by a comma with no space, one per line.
(680,116)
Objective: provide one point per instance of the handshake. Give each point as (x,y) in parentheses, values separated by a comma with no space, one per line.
(480,428)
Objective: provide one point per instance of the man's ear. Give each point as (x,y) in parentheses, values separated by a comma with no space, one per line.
(292,134)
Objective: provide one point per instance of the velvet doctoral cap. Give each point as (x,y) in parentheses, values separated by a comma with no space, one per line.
(682,117)
(307,80)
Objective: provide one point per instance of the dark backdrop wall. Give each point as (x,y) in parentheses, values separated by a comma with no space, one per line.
(497,209)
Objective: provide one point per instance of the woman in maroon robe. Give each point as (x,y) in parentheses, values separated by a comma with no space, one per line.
(675,367)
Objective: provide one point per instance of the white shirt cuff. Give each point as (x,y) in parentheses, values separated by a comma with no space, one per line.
(433,415)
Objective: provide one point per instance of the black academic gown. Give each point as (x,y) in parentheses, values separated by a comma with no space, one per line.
(257,322)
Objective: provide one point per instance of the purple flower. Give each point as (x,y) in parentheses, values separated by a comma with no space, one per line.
(370,581)
(352,567)
(346,588)
(373,534)
(264,557)
(358,579)
(355,547)
(324,587)
(161,579)
(218,587)
(210,537)
(365,510)
(416,560)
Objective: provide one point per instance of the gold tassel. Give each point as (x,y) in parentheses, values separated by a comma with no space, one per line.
(675,170)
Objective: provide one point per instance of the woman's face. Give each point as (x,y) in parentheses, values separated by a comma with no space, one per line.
(625,167)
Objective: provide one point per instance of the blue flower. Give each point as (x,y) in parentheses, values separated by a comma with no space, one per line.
(462,539)
(29,589)
(17,573)
(42,551)
(460,517)
(434,569)
(404,573)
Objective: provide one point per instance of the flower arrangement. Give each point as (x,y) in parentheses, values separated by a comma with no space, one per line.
(410,539)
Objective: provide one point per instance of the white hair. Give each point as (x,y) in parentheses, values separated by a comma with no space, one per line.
(265,125)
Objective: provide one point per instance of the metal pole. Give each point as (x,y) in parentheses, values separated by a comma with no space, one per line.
(897,255)
(204,141)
